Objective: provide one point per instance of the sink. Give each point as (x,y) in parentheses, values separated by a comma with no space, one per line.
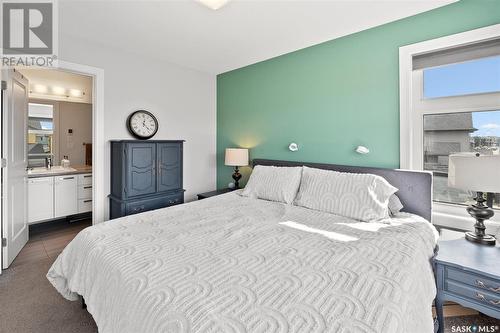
(54,169)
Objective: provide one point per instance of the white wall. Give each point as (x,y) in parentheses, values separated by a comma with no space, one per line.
(183,100)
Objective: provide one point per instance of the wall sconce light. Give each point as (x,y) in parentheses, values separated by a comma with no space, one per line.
(40,89)
(362,150)
(59,92)
(293,146)
(76,93)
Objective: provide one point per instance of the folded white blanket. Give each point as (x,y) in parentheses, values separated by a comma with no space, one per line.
(236,264)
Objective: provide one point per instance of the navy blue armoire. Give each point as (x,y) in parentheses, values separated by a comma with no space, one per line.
(145,175)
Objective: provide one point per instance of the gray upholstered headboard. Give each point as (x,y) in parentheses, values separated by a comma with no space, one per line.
(415,187)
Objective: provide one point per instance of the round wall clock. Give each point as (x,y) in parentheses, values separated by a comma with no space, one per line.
(142,124)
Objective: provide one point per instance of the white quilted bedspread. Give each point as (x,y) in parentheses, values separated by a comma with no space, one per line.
(234,264)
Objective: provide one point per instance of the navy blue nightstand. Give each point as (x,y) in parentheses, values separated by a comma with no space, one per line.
(214,193)
(468,274)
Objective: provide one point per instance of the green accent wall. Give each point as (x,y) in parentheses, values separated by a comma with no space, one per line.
(332,97)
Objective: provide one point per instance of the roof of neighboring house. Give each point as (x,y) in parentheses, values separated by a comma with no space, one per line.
(442,148)
(449,122)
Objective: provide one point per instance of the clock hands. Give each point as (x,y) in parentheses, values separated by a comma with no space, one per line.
(144,125)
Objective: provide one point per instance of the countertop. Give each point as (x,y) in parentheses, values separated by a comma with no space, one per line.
(78,169)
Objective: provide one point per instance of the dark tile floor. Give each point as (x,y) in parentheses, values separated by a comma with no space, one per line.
(48,240)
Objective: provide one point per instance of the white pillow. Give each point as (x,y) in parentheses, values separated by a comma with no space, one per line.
(358,196)
(394,205)
(273,183)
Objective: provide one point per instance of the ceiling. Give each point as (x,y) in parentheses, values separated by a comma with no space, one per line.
(241,33)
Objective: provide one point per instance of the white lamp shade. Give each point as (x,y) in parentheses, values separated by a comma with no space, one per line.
(236,156)
(474,173)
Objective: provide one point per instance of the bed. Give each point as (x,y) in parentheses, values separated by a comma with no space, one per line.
(236,264)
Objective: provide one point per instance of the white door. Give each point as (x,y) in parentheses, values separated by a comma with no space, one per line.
(65,196)
(14,151)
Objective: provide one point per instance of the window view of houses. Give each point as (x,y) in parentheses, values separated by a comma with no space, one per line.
(40,133)
(445,134)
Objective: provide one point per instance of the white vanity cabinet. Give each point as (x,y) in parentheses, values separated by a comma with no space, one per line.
(65,196)
(40,199)
(59,196)
(85,193)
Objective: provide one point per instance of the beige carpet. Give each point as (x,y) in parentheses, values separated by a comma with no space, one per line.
(29,303)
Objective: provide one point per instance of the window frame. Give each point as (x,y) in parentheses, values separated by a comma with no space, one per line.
(413,107)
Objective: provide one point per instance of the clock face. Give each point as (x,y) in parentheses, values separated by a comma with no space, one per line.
(142,124)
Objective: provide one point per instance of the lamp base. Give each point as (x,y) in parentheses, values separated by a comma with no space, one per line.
(484,240)
(480,212)
(236,176)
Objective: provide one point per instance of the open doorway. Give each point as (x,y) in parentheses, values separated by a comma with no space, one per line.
(57,130)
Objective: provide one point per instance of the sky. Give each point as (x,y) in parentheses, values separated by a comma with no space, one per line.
(487,123)
(472,77)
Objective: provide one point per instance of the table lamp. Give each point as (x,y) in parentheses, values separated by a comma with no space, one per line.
(236,157)
(479,173)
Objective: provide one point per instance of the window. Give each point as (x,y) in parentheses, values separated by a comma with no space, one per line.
(465,78)
(450,103)
(455,132)
(40,133)
(449,133)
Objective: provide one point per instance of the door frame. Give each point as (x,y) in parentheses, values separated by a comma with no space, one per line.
(99,201)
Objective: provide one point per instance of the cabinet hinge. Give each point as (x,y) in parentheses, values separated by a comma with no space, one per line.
(4,242)
(4,85)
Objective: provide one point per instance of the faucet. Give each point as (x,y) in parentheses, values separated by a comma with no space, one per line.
(48,162)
